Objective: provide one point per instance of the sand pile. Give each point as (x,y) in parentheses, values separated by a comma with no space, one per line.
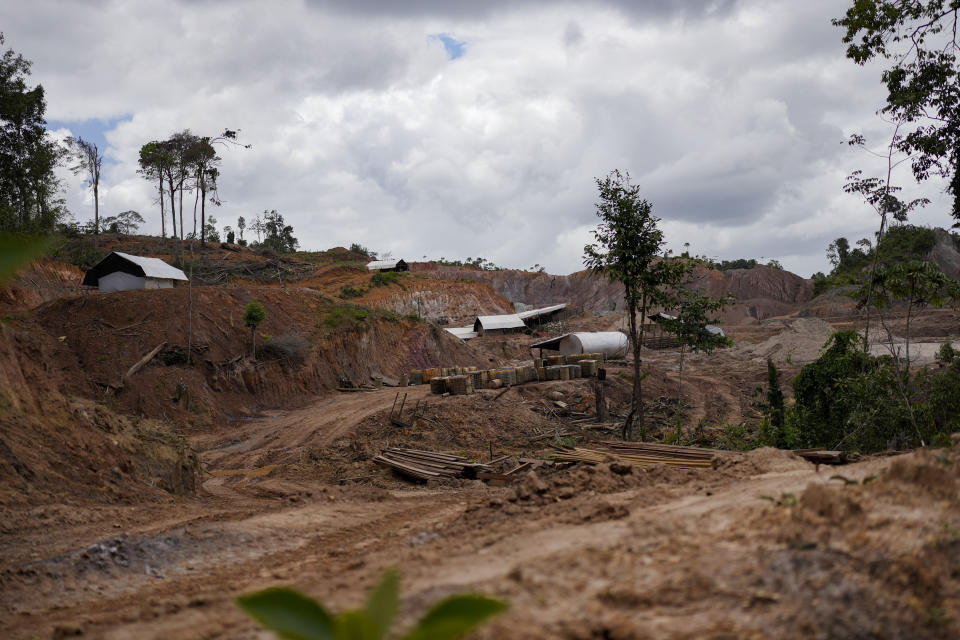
(799,342)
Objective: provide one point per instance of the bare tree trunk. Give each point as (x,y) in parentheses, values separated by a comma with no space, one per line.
(190,308)
(635,417)
(195,200)
(181,209)
(203,212)
(163,213)
(680,383)
(173,210)
(253,342)
(96,208)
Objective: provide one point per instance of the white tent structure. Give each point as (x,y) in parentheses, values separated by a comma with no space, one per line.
(612,344)
(464,333)
(388,265)
(504,323)
(125,272)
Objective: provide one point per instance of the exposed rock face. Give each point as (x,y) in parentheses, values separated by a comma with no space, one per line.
(761,292)
(946,253)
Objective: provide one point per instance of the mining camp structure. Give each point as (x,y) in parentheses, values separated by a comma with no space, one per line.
(508,322)
(125,272)
(388,265)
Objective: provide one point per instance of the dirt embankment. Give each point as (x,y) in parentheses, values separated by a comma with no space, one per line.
(455,302)
(42,281)
(55,446)
(761,292)
(107,333)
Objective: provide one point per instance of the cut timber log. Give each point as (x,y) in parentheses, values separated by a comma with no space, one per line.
(426,465)
(140,363)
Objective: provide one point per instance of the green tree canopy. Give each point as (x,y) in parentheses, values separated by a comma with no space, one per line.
(628,248)
(917,41)
(30,197)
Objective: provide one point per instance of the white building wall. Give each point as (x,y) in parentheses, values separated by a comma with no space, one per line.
(157,283)
(120,281)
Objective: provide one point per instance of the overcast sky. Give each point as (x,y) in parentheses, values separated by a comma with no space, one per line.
(445,128)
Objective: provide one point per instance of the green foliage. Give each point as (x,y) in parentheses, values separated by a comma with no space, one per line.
(900,243)
(628,248)
(734,437)
(356,247)
(947,354)
(124,223)
(916,41)
(737,263)
(29,189)
(477,263)
(852,400)
(689,326)
(254,314)
(295,616)
(384,279)
(773,430)
(349,291)
(210,230)
(277,235)
(343,316)
(17,252)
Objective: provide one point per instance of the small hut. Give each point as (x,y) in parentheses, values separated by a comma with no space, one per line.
(507,323)
(124,272)
(388,265)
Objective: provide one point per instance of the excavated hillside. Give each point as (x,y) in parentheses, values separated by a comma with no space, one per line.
(761,292)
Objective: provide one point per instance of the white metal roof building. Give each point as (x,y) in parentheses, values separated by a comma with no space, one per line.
(503,323)
(464,333)
(539,313)
(124,272)
(388,265)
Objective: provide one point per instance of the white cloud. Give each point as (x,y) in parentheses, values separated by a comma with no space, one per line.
(729,115)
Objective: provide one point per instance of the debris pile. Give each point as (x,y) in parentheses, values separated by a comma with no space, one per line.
(638,454)
(427,465)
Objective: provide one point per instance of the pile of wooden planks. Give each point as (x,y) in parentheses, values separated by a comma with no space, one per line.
(639,454)
(427,465)
(822,456)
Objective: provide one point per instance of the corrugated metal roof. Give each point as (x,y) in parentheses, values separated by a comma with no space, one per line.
(553,343)
(507,321)
(533,313)
(154,267)
(376,265)
(464,333)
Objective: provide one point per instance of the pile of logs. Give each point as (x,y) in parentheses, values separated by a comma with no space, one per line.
(638,454)
(427,465)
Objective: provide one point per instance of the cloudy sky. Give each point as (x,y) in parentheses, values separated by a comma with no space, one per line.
(462,129)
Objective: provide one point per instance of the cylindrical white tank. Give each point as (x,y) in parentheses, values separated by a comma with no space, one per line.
(612,344)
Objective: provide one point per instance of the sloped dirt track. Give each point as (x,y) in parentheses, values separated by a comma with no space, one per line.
(764,545)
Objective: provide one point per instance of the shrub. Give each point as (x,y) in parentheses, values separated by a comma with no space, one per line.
(349,291)
(291,350)
(342,316)
(384,278)
(947,353)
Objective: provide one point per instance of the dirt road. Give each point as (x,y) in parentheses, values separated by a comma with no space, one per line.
(764,545)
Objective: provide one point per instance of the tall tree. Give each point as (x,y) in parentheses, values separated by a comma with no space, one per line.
(691,326)
(917,40)
(627,249)
(278,235)
(29,190)
(87,160)
(154,159)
